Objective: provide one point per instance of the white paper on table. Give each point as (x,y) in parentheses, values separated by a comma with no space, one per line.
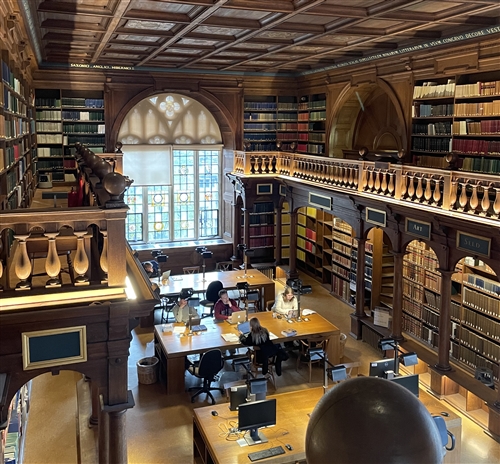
(230,337)
(307,312)
(179,329)
(272,336)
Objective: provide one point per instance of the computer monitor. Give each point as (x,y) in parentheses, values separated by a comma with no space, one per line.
(408,381)
(256,414)
(257,387)
(379,368)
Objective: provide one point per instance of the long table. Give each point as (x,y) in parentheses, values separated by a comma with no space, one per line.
(292,416)
(173,348)
(229,280)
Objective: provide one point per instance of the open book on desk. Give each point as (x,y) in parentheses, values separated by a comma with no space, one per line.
(230,337)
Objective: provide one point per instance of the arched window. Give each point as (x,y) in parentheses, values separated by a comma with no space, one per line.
(172,149)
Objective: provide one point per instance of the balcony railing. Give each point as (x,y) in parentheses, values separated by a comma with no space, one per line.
(458,191)
(63,255)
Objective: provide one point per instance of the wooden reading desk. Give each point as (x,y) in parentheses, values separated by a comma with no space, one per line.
(292,416)
(172,348)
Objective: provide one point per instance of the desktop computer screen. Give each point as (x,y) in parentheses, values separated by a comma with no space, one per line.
(379,368)
(256,414)
(237,396)
(408,381)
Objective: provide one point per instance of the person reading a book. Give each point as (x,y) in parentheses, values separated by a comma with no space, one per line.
(182,310)
(286,303)
(259,336)
(225,306)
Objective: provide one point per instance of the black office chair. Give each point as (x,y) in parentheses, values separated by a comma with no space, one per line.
(207,368)
(212,296)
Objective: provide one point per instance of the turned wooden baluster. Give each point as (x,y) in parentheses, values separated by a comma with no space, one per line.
(411,186)
(390,186)
(22,263)
(355,177)
(383,185)
(377,173)
(462,201)
(453,194)
(485,202)
(436,195)
(52,262)
(364,179)
(404,185)
(104,255)
(428,190)
(420,189)
(474,200)
(371,182)
(1,274)
(496,204)
(81,262)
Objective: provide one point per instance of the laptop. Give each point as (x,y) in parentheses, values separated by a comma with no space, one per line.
(244,327)
(166,275)
(194,321)
(237,317)
(292,314)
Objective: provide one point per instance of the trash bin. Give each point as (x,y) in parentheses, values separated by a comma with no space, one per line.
(343,340)
(147,370)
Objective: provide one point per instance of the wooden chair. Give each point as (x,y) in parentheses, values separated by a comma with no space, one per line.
(255,366)
(191,269)
(304,355)
(224,266)
(250,299)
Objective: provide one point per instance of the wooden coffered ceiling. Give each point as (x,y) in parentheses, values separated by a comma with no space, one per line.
(276,36)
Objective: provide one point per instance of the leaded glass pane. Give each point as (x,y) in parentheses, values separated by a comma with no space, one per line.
(184,194)
(133,226)
(208,193)
(158,213)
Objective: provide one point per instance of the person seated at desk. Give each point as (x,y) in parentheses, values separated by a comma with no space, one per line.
(286,302)
(259,336)
(224,306)
(149,267)
(182,310)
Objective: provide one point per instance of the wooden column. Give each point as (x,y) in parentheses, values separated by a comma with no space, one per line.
(397,296)
(292,272)
(236,230)
(96,405)
(443,363)
(103,439)
(246,227)
(117,437)
(277,235)
(359,312)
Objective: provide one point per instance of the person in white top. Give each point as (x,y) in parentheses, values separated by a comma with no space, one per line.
(285,302)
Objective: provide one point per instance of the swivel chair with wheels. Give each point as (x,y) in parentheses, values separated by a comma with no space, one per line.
(207,368)
(211,297)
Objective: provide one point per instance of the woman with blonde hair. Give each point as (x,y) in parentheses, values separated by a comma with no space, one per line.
(286,303)
(259,336)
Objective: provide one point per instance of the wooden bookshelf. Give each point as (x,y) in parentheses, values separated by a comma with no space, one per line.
(64,117)
(262,231)
(312,124)
(17,141)
(457,124)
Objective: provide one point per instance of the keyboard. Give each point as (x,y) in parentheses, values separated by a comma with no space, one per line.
(267,453)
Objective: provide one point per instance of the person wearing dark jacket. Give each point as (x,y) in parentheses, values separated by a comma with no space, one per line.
(259,336)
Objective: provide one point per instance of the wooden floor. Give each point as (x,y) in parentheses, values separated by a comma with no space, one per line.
(159,427)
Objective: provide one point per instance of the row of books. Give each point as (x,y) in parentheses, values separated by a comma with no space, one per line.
(421,110)
(435,128)
(341,248)
(312,105)
(85,138)
(48,102)
(485,127)
(311,148)
(476,342)
(48,126)
(344,237)
(432,299)
(481,302)
(435,144)
(473,359)
(412,325)
(259,126)
(487,285)
(413,290)
(478,109)
(341,271)
(287,126)
(256,242)
(264,106)
(260,146)
(14,127)
(289,136)
(484,147)
(433,89)
(46,152)
(83,102)
(478,89)
(48,115)
(260,137)
(262,230)
(419,254)
(341,288)
(11,80)
(84,128)
(317,137)
(317,115)
(482,323)
(13,103)
(259,116)
(430,317)
(481,164)
(340,259)
(83,115)
(49,138)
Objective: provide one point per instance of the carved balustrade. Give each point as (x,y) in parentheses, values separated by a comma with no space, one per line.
(470,193)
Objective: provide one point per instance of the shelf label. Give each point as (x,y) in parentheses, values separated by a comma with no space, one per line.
(376,216)
(418,228)
(320,200)
(264,189)
(474,243)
